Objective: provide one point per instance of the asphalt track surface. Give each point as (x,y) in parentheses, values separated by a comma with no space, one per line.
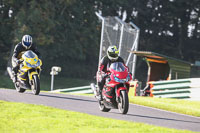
(89,105)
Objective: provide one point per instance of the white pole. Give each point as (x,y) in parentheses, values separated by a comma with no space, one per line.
(121,34)
(134,56)
(101,43)
(134,43)
(121,37)
(52,80)
(136,47)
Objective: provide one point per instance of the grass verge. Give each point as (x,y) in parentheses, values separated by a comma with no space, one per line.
(182,106)
(19,117)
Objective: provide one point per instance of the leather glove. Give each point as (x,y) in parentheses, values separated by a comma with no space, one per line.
(19,62)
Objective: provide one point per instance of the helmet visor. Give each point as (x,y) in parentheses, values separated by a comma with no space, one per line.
(28,44)
(114,55)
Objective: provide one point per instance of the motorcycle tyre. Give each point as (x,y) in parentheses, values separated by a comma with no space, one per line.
(123,104)
(19,89)
(35,87)
(103,108)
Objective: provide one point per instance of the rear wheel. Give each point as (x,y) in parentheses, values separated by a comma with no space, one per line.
(103,108)
(123,104)
(35,85)
(18,88)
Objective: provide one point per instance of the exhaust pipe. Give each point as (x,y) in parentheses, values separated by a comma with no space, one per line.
(10,72)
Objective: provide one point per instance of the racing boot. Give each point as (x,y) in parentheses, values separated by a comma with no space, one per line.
(99,94)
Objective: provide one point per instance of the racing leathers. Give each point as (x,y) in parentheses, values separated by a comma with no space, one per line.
(102,72)
(18,51)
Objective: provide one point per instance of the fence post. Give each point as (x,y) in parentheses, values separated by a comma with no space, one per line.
(54,71)
(102,28)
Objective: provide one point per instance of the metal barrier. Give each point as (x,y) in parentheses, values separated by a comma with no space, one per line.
(78,90)
(180,89)
(135,89)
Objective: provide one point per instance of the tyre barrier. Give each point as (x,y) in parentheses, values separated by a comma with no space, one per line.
(179,89)
(77,90)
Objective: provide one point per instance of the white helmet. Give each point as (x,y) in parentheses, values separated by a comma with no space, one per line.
(27,41)
(112,53)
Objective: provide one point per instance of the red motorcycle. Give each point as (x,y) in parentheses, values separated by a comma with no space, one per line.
(116,88)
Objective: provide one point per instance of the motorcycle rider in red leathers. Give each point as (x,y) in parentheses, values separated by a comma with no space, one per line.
(111,57)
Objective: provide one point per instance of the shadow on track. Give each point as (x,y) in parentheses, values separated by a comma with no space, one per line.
(158,118)
(70,98)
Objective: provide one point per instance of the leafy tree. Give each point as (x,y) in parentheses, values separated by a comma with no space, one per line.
(6,28)
(67,32)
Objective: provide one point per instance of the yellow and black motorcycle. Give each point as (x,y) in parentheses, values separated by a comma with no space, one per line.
(28,76)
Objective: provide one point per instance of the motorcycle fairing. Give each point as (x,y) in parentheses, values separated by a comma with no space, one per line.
(118,79)
(112,84)
(29,67)
(120,75)
(31,60)
(108,92)
(22,75)
(110,87)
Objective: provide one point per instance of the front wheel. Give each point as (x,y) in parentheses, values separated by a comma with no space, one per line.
(35,85)
(123,104)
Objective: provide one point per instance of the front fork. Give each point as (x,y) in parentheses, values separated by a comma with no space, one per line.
(31,73)
(118,90)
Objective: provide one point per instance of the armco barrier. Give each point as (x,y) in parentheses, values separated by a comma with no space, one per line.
(80,90)
(135,88)
(180,89)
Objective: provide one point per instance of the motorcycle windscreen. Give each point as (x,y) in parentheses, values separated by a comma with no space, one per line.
(118,66)
(30,54)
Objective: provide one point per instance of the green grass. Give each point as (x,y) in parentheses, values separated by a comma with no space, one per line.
(61,82)
(19,117)
(175,105)
(187,107)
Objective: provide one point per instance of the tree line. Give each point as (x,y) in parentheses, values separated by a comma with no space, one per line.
(67,32)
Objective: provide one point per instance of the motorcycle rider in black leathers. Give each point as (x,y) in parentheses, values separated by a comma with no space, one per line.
(111,57)
(23,46)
